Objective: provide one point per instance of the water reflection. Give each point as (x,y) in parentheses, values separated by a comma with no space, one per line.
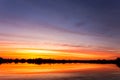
(59,71)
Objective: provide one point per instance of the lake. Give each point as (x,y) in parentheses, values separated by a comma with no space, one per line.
(71,71)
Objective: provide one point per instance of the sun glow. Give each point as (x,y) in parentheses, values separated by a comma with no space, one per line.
(54,54)
(37,51)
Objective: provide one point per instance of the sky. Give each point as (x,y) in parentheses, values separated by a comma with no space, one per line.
(60,29)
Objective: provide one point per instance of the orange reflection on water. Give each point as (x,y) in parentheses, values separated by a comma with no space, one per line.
(50,68)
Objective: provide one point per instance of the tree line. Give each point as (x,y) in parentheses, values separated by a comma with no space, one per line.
(52,61)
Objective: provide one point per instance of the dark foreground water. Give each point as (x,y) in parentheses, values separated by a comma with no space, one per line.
(59,72)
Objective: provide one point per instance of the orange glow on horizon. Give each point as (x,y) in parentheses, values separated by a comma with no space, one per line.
(34,50)
(54,54)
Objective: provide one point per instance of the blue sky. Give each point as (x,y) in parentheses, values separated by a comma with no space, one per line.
(93,23)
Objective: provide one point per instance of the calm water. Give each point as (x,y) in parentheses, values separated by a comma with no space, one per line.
(59,72)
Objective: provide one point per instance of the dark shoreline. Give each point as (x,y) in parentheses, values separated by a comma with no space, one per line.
(52,61)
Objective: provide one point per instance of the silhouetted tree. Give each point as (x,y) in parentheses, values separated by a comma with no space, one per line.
(53,61)
(118,59)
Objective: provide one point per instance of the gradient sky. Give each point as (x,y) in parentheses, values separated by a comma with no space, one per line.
(62,29)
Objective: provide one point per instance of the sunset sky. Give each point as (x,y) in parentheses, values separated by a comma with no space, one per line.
(60,29)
